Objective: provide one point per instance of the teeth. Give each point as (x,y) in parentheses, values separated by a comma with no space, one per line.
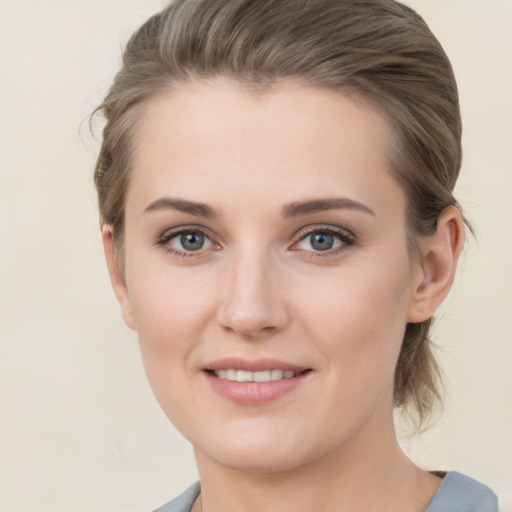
(262,376)
(276,374)
(243,376)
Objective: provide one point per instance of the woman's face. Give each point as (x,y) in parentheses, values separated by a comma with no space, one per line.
(267,271)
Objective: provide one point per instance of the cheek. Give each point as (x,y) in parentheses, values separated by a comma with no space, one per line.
(168,303)
(358,324)
(171,308)
(358,315)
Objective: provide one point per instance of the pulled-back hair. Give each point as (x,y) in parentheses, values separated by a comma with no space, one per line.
(379,50)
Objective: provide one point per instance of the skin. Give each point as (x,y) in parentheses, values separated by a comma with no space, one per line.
(258,288)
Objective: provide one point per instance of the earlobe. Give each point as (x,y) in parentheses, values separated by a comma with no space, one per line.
(116,276)
(440,253)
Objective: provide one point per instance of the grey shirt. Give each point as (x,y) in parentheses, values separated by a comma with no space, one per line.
(457,493)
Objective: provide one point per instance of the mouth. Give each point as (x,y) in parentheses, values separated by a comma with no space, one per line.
(255,382)
(274,374)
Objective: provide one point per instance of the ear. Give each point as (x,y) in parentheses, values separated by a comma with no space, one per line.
(116,276)
(436,270)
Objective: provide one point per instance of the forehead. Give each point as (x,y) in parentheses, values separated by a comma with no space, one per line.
(202,137)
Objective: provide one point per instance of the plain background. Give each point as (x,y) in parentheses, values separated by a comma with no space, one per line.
(80,429)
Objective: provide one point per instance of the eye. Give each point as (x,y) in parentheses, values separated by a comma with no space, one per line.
(185,242)
(325,240)
(193,241)
(322,241)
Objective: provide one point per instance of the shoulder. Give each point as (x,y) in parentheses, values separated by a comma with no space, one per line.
(184,502)
(457,493)
(460,493)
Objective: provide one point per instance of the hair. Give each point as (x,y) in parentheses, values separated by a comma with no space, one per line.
(378,50)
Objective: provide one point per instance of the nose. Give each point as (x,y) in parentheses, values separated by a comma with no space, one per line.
(253,303)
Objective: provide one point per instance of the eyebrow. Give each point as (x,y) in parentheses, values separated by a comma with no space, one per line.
(295,209)
(182,205)
(299,208)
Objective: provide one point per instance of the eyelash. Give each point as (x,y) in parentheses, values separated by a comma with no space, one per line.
(346,239)
(168,235)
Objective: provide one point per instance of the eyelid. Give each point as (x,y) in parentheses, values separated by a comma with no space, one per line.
(347,238)
(170,233)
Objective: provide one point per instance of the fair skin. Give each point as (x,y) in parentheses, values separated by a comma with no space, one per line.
(264,232)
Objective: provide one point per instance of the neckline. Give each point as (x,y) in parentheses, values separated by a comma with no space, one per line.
(455,488)
(466,492)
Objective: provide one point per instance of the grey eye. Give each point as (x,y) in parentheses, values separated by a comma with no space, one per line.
(193,241)
(186,241)
(321,241)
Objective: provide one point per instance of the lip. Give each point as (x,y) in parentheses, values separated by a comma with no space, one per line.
(257,365)
(254,393)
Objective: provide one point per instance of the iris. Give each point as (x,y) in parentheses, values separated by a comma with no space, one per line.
(193,241)
(322,241)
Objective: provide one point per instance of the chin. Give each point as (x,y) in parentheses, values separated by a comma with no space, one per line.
(258,460)
(259,450)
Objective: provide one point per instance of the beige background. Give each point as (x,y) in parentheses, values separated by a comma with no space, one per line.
(79,429)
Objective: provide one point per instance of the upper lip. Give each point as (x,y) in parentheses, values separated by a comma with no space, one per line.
(256,365)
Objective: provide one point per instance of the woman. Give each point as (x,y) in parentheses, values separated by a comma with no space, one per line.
(275,187)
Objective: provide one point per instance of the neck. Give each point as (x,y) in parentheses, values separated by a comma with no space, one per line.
(365,473)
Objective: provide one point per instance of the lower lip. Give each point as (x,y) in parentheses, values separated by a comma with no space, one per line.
(254,393)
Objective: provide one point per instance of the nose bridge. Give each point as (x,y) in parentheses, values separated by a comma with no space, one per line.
(253,300)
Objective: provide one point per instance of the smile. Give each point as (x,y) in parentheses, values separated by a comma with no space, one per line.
(254,382)
(261,376)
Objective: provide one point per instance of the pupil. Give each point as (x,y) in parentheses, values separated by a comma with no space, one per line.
(192,241)
(322,241)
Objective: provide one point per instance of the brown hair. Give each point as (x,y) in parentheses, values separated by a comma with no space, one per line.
(380,50)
